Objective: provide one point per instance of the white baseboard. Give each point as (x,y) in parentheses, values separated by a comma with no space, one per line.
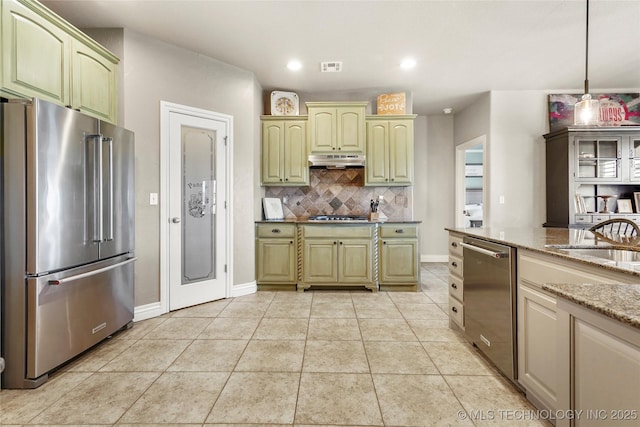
(155,309)
(244,289)
(434,258)
(148,311)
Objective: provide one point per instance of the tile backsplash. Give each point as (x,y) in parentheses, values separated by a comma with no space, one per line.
(341,192)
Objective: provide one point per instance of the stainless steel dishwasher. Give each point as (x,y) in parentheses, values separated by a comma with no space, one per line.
(490,301)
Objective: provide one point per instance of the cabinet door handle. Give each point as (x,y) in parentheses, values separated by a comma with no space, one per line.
(340,242)
(454,309)
(291,242)
(335,243)
(454,286)
(454,244)
(454,264)
(286,179)
(400,231)
(275,230)
(384,243)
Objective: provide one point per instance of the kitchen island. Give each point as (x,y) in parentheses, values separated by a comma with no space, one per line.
(577,311)
(337,254)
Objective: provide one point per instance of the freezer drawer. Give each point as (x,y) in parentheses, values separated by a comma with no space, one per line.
(70,311)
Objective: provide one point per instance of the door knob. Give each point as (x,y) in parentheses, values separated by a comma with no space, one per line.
(175,220)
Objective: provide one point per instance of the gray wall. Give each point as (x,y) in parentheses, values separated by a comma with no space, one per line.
(436,187)
(154,71)
(517,158)
(513,123)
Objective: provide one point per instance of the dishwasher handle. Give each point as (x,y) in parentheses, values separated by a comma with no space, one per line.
(485,251)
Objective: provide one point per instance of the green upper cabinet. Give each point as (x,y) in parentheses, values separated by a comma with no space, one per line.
(35,55)
(284,151)
(44,56)
(336,127)
(94,77)
(389,150)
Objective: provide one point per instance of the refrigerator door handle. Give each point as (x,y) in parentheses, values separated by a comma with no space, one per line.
(91,273)
(109,235)
(94,159)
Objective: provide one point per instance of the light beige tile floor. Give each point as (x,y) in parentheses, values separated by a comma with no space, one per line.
(280,359)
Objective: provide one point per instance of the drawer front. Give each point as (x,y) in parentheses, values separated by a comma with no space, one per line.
(583,219)
(456,286)
(398,230)
(338,231)
(454,244)
(456,311)
(276,230)
(455,265)
(600,218)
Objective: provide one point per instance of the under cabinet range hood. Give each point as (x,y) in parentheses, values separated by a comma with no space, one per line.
(336,161)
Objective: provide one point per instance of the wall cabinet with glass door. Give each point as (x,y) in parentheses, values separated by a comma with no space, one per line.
(588,170)
(45,57)
(598,157)
(389,150)
(284,151)
(336,127)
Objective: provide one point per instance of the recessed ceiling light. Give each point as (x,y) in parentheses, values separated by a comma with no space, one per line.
(294,65)
(447,110)
(408,63)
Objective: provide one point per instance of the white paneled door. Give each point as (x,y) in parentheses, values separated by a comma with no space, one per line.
(196,209)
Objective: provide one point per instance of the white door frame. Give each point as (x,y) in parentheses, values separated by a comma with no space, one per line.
(459,179)
(166,108)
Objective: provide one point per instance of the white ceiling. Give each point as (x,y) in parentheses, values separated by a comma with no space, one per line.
(462,48)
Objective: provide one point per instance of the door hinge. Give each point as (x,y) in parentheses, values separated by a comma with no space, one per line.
(225,204)
(225,140)
(225,268)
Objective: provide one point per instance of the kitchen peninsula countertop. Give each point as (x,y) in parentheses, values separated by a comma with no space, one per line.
(333,222)
(617,301)
(620,302)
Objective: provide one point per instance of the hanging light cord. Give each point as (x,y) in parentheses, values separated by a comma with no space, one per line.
(586,56)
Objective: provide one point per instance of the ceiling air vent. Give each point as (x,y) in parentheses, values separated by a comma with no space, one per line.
(331,67)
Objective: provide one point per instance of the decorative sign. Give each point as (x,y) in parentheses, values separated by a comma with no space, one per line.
(616,109)
(392,103)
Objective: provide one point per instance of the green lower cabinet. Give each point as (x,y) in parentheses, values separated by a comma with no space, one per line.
(320,261)
(354,261)
(276,260)
(334,256)
(399,264)
(301,256)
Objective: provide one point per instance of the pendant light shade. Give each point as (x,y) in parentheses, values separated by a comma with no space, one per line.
(586,112)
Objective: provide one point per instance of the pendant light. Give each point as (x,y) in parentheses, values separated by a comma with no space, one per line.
(587,111)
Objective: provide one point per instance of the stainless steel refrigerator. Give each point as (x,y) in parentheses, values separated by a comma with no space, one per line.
(67,236)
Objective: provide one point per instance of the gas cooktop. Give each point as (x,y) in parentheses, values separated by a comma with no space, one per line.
(346,218)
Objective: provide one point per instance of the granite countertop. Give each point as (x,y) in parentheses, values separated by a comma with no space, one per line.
(543,239)
(615,300)
(307,221)
(620,302)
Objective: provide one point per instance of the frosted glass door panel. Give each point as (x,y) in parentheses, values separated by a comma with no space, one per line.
(198,204)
